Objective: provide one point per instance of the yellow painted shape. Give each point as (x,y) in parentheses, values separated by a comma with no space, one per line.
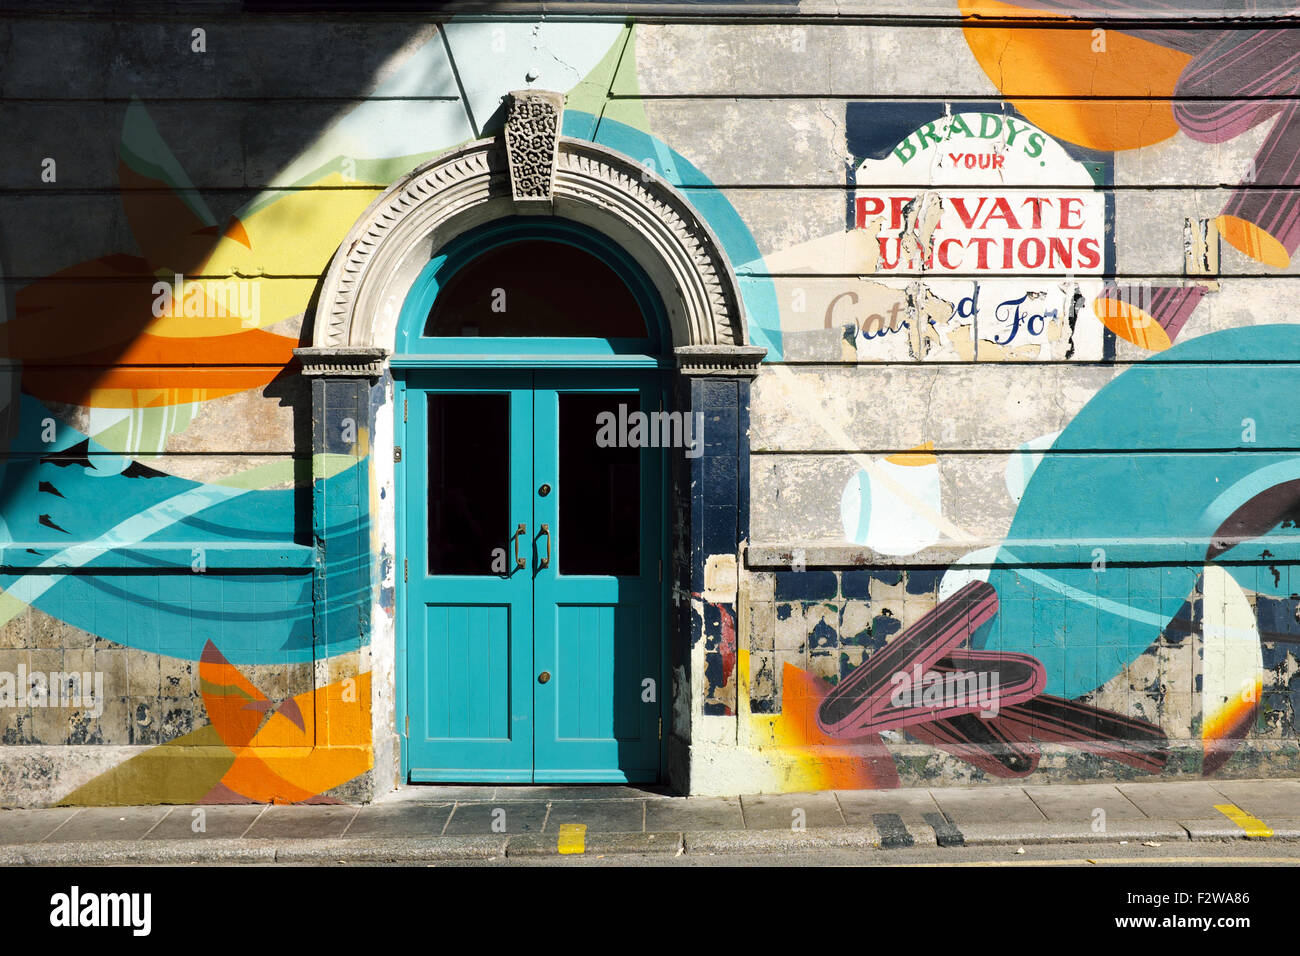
(278,298)
(920,455)
(182,770)
(296,234)
(1253,826)
(573,838)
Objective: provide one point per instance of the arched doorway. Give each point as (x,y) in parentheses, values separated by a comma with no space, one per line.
(532,514)
(368,344)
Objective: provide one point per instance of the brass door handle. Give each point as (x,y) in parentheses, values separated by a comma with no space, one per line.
(546,561)
(520,562)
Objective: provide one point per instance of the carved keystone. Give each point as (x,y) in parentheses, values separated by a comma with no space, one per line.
(532,145)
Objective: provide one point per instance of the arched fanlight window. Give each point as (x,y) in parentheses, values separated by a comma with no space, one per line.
(532,285)
(536,287)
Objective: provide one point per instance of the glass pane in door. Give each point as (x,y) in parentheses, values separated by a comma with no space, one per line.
(600,483)
(469,481)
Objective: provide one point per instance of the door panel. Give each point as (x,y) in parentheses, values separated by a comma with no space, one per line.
(597,601)
(467,688)
(469,664)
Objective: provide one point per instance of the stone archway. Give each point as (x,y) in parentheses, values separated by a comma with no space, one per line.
(529,170)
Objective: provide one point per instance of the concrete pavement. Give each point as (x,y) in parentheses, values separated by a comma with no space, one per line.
(448,823)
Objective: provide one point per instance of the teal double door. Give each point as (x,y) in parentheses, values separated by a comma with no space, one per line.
(532,582)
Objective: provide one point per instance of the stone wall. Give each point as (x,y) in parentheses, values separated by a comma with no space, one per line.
(1025,290)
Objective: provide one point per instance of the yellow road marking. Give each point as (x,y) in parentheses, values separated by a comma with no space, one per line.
(1254,826)
(573,838)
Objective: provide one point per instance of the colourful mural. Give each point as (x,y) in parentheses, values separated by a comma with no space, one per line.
(1122,501)
(1144,86)
(151,453)
(1153,533)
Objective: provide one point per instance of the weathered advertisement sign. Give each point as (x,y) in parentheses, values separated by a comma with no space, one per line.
(995,233)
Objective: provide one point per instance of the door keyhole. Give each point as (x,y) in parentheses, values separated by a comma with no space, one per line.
(544,490)
(543,677)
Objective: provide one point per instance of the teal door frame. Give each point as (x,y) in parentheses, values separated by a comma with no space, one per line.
(561,364)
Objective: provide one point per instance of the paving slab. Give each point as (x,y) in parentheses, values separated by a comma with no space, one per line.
(1072,804)
(107,824)
(430,850)
(694,813)
(1000,805)
(31,826)
(778,842)
(1284,828)
(781,811)
(599,816)
(859,806)
(121,852)
(561,793)
(1210,828)
(415,820)
(1222,827)
(439,793)
(1057,831)
(636,822)
(1262,798)
(483,819)
(598,844)
(299,822)
(1192,799)
(208,823)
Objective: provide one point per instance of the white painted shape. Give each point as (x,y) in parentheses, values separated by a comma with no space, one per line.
(855,507)
(959,574)
(1232,659)
(720,579)
(894,526)
(561,53)
(1022,464)
(390,128)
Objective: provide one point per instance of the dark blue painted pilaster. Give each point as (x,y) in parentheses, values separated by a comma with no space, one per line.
(340,509)
(714,499)
(343,396)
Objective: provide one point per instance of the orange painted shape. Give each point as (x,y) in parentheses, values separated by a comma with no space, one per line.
(121,377)
(1234,719)
(1060,62)
(227,694)
(331,747)
(1131,324)
(169,233)
(823,762)
(235,230)
(1250,240)
(252,779)
(321,742)
(85,307)
(140,388)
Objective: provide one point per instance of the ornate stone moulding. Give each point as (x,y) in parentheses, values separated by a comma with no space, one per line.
(532,139)
(720,360)
(345,361)
(529,170)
